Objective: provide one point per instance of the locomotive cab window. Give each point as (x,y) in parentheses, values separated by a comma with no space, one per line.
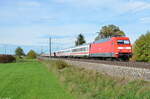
(123,42)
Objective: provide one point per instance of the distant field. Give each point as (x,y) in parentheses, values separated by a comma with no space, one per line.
(29,80)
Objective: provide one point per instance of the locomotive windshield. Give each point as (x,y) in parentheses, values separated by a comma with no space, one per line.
(123,42)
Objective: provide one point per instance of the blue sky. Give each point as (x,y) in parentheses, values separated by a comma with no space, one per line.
(29,23)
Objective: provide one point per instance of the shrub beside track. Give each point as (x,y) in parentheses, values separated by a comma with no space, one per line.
(7,58)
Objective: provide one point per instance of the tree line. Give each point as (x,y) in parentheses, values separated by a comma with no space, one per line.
(20,53)
(105,32)
(141,47)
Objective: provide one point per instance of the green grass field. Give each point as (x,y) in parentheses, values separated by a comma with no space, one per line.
(29,80)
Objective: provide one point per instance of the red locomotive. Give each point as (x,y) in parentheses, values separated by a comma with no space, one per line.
(108,48)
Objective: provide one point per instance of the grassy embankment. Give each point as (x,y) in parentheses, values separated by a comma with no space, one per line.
(86,84)
(29,80)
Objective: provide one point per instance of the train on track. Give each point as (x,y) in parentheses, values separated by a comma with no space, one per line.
(118,48)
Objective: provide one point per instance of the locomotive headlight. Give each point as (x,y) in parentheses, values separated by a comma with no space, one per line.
(128,47)
(124,48)
(120,47)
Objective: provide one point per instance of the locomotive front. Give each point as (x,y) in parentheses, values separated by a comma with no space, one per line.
(123,48)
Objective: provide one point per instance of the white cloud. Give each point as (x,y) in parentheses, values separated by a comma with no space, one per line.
(85,2)
(136,6)
(30,3)
(145,20)
(114,5)
(30,35)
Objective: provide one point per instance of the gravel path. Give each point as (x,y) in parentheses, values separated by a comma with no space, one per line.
(145,65)
(133,70)
(114,70)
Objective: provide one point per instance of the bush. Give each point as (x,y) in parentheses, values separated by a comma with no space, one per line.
(141,48)
(31,54)
(58,64)
(61,64)
(7,58)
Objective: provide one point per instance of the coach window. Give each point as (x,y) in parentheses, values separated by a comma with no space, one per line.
(80,49)
(84,49)
(77,49)
(87,49)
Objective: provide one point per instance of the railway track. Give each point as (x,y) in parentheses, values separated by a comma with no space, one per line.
(132,70)
(145,65)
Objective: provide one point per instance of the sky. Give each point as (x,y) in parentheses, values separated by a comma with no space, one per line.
(29,23)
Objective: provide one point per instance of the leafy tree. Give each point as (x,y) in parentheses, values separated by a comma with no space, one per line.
(19,52)
(141,48)
(31,54)
(80,40)
(108,31)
